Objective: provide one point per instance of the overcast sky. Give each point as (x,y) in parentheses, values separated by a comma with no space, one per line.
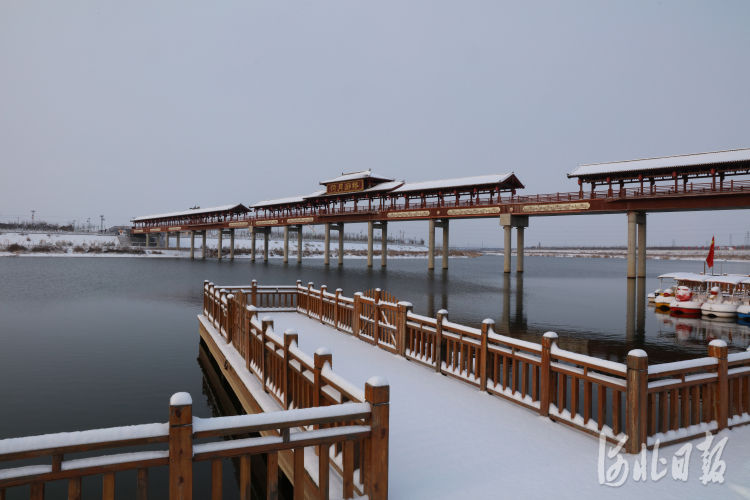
(138,107)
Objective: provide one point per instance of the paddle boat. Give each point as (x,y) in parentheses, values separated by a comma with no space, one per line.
(743,309)
(662,297)
(660,291)
(721,301)
(688,297)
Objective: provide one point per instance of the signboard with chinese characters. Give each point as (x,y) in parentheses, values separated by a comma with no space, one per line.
(345,186)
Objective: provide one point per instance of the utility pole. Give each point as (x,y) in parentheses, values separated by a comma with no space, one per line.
(32,216)
(88,224)
(101,224)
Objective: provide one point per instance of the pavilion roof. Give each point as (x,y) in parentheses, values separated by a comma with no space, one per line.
(237,207)
(506,180)
(291,200)
(362,174)
(665,163)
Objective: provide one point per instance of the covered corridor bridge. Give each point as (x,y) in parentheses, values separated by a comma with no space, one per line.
(704,181)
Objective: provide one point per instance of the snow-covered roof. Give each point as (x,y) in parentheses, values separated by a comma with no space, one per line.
(699,278)
(350,176)
(480,180)
(194,211)
(690,160)
(384,186)
(286,201)
(730,279)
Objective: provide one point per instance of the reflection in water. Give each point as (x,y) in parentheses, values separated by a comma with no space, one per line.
(436,284)
(700,331)
(635,311)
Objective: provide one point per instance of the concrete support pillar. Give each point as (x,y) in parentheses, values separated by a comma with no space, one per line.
(286,244)
(219,245)
(641,221)
(266,238)
(147,235)
(632,243)
(431,245)
(166,240)
(299,244)
(341,243)
(327,245)
(519,249)
(231,244)
(370,230)
(506,249)
(383,244)
(178,240)
(252,244)
(446,246)
(509,221)
(192,245)
(203,248)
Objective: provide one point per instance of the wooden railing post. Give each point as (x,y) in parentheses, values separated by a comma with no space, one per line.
(210,304)
(377,393)
(718,349)
(309,298)
(299,302)
(289,337)
(355,313)
(545,373)
(266,323)
(636,411)
(254,293)
(205,296)
(336,315)
(321,357)
(404,308)
(181,447)
(437,353)
(252,311)
(222,296)
(230,318)
(323,289)
(376,318)
(487,326)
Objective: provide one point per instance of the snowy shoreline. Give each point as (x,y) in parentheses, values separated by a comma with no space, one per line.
(20,244)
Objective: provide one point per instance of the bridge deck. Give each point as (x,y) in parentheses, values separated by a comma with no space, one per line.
(449,440)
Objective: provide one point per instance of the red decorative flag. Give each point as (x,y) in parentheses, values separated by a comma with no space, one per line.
(710,258)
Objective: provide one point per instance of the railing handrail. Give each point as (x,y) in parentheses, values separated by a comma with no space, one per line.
(538,376)
(79,441)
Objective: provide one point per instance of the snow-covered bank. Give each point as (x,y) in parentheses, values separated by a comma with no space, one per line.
(70,245)
(735,255)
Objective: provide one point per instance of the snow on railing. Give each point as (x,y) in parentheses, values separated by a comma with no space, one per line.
(290,431)
(592,394)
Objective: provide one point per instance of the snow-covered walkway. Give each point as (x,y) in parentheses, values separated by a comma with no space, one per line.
(449,440)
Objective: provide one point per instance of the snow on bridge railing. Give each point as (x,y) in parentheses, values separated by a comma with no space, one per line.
(592,394)
(290,431)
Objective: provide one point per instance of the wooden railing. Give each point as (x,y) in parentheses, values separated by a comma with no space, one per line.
(669,402)
(350,427)
(291,377)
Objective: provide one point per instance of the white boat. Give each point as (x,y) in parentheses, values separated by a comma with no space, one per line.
(743,309)
(662,297)
(721,301)
(653,295)
(689,296)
